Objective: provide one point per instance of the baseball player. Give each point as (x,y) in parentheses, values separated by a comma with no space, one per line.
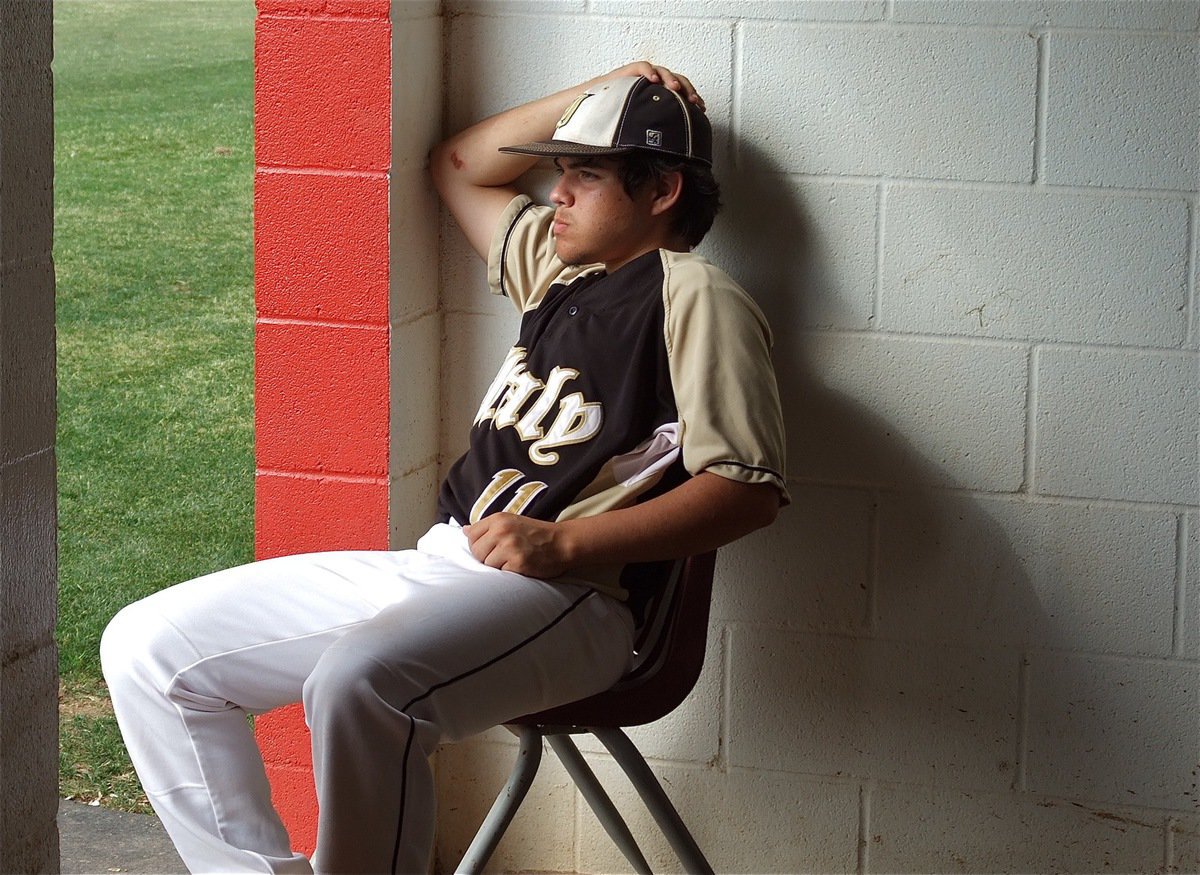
(635,420)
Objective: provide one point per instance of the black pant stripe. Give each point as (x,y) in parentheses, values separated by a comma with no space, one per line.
(412,725)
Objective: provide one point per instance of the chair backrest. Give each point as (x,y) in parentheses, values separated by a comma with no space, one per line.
(669,656)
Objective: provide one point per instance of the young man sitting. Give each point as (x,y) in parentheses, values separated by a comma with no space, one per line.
(634,421)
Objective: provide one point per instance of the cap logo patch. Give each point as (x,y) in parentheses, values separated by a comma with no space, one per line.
(654,138)
(570,110)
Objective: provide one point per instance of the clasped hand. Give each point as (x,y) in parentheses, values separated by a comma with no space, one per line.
(510,542)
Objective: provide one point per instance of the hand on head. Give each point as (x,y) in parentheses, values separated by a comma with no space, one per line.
(663,76)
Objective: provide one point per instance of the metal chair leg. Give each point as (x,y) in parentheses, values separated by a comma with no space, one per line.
(599,801)
(630,759)
(529,756)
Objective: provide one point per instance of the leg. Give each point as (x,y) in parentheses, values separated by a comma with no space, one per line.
(186,665)
(473,648)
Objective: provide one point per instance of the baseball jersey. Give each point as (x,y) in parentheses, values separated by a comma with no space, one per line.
(620,387)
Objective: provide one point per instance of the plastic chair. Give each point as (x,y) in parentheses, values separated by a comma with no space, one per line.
(669,656)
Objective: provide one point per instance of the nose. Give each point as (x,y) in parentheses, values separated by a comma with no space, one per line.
(560,194)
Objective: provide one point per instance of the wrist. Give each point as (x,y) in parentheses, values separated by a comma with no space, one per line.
(570,545)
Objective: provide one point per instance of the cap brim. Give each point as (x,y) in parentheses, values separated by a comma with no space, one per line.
(553,148)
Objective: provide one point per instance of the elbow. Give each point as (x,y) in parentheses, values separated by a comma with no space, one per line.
(760,508)
(767,508)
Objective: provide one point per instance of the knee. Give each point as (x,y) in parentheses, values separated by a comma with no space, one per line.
(139,649)
(350,686)
(344,679)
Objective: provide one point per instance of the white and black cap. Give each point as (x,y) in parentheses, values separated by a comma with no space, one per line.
(628,114)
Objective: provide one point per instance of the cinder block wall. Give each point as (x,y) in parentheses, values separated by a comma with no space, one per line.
(973,642)
(28,528)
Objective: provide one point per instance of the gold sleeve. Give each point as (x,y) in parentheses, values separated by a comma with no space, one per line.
(522,262)
(719,351)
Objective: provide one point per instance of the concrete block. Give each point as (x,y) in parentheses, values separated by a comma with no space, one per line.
(413,245)
(1189,644)
(692,732)
(1112,730)
(781,10)
(29,739)
(810,570)
(927,829)
(298,513)
(1179,15)
(26,131)
(26,142)
(412,506)
(1117,424)
(415,401)
(1123,110)
(1035,265)
(488,76)
(887,410)
(888,711)
(804,249)
(321,398)
(321,246)
(322,92)
(1020,573)
(27,385)
(28,558)
(464,286)
(515,7)
(405,11)
(416,83)
(1185,844)
(25,34)
(753,822)
(1193,341)
(541,837)
(900,101)
(473,349)
(376,9)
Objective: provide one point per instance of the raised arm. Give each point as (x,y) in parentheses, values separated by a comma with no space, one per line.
(475,180)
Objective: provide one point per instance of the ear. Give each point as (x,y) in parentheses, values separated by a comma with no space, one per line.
(667,193)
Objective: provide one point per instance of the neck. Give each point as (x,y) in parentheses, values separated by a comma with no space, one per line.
(670,242)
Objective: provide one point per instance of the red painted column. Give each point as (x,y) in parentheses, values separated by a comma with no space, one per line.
(322,113)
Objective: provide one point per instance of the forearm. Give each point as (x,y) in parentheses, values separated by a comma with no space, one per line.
(475,179)
(702,514)
(706,512)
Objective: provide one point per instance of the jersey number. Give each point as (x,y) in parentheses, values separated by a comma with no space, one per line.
(501,481)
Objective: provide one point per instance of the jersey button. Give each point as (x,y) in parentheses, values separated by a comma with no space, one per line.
(572,311)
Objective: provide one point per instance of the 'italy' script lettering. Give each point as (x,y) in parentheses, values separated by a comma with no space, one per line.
(576,420)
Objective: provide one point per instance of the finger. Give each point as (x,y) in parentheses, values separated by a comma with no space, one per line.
(641,68)
(679,82)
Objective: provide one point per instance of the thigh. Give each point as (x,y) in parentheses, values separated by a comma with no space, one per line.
(249,636)
(469,648)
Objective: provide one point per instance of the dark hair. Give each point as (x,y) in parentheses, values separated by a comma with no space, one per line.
(699,202)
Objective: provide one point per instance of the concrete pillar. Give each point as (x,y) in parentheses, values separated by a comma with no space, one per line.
(28,562)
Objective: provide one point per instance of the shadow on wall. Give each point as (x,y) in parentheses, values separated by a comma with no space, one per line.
(880,626)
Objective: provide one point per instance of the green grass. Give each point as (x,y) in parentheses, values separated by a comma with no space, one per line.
(153,253)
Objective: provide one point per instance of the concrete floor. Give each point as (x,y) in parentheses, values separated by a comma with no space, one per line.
(96,841)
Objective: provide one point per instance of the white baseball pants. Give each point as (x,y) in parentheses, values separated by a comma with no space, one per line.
(391,653)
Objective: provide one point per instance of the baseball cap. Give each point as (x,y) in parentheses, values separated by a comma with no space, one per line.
(625,114)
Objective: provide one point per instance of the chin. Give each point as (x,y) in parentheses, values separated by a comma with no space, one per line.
(570,258)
